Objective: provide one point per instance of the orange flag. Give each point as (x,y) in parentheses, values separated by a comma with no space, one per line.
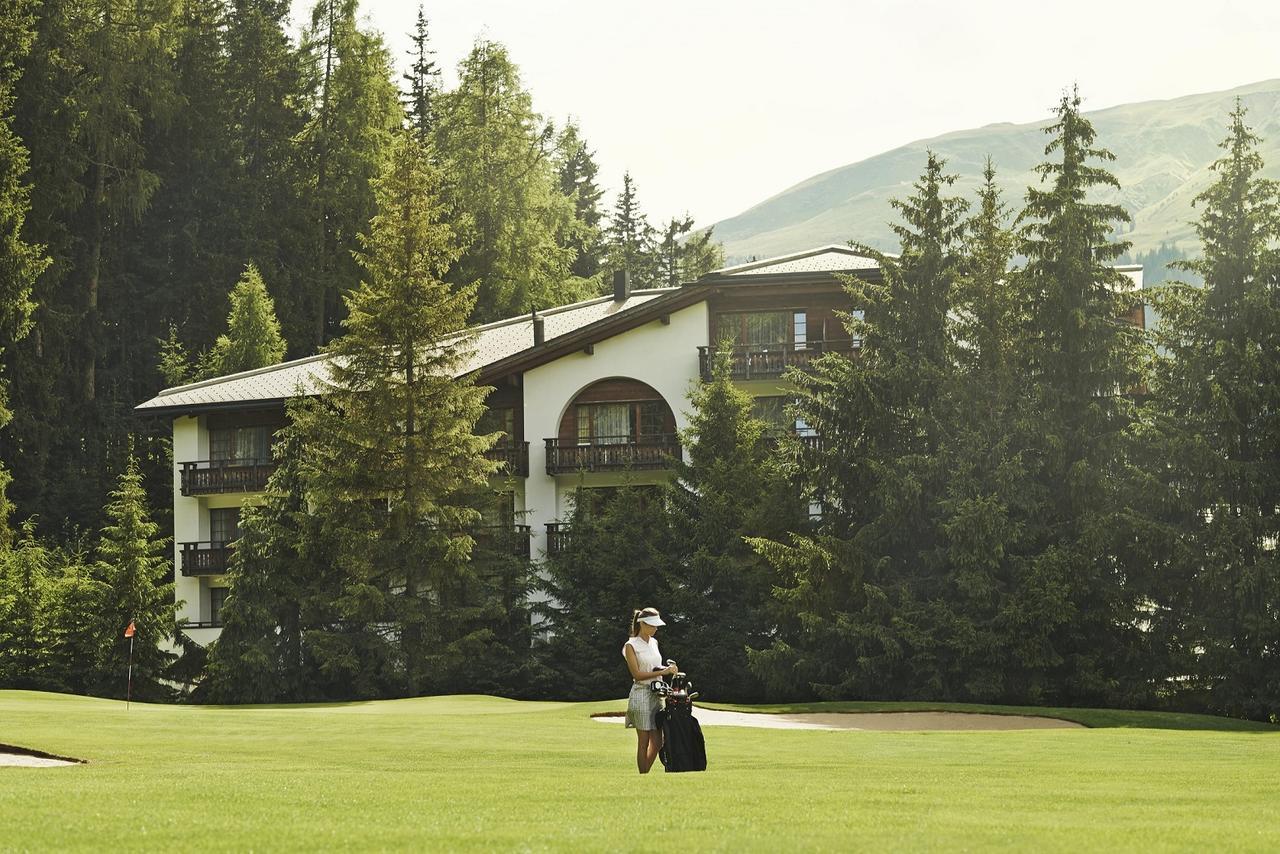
(129,631)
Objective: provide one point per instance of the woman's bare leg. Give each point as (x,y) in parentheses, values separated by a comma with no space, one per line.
(648,743)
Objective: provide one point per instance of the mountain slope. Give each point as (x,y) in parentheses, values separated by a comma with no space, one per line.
(1163,150)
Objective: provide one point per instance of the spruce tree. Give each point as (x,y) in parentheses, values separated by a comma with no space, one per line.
(1085,368)
(630,241)
(133,560)
(727,488)
(253,336)
(576,171)
(849,593)
(423,78)
(684,258)
(515,226)
(25,576)
(355,113)
(1216,393)
(391,450)
(987,627)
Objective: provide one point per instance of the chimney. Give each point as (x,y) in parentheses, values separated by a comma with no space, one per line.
(539,335)
(621,285)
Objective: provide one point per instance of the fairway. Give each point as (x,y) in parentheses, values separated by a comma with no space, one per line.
(454,773)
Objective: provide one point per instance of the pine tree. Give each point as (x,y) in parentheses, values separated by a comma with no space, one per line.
(576,171)
(133,561)
(268,95)
(25,576)
(1216,393)
(423,79)
(684,259)
(727,488)
(356,111)
(1085,366)
(630,241)
(282,584)
(988,627)
(850,593)
(253,336)
(392,449)
(515,226)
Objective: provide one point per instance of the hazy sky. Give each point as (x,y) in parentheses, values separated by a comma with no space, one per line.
(716,105)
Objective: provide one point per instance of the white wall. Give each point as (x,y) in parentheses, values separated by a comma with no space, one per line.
(665,356)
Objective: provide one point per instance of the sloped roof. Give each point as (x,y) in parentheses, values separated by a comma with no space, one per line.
(489,343)
(824,259)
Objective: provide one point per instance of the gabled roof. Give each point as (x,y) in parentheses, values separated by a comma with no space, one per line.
(490,343)
(824,259)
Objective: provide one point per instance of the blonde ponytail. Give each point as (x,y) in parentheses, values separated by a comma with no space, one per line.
(635,622)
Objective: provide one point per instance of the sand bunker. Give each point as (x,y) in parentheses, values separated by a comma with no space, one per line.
(879,721)
(23,758)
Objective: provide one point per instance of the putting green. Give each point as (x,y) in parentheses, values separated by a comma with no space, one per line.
(470,773)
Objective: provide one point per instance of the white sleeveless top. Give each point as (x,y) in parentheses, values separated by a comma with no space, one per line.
(647,656)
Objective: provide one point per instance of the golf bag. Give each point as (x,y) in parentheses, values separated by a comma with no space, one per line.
(683,748)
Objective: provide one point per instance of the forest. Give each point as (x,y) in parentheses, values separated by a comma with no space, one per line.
(1017,495)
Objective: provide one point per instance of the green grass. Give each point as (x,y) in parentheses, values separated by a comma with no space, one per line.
(454,773)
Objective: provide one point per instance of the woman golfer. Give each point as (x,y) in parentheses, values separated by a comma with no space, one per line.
(645,663)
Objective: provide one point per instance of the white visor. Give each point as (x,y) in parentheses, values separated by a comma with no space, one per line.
(652,621)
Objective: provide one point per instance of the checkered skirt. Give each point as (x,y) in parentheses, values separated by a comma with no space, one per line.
(642,705)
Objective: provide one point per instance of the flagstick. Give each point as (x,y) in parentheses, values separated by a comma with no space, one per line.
(128,691)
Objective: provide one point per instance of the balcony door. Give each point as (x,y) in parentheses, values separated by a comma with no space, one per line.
(620,423)
(240,445)
(224,525)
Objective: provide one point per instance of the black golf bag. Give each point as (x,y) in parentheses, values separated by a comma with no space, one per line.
(682,746)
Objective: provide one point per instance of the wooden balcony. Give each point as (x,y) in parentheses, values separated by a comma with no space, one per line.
(212,477)
(770,361)
(611,453)
(514,537)
(514,457)
(205,558)
(557,537)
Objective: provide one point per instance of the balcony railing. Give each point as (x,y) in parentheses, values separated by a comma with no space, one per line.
(611,453)
(516,537)
(770,361)
(557,537)
(514,457)
(205,558)
(209,477)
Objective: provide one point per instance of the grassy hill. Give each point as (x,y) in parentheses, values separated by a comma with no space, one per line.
(481,773)
(1163,150)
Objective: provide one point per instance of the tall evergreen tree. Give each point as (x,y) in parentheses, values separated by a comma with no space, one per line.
(515,226)
(1216,393)
(576,171)
(844,591)
(253,336)
(133,561)
(392,449)
(630,241)
(267,91)
(20,262)
(1085,367)
(355,112)
(423,78)
(727,488)
(685,254)
(25,576)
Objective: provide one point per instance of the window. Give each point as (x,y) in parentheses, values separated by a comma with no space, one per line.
(754,328)
(499,512)
(224,525)
(244,445)
(800,329)
(772,411)
(498,420)
(619,423)
(217,599)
